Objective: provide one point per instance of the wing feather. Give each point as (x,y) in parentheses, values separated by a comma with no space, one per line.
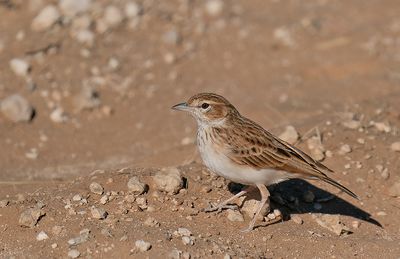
(262,150)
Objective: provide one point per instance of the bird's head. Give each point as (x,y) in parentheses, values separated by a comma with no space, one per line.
(207,108)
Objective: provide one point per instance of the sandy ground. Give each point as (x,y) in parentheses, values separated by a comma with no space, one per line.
(313,65)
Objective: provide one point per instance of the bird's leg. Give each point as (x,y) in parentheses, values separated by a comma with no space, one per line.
(264,200)
(224,204)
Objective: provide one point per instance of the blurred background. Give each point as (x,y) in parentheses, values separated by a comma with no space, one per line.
(89,84)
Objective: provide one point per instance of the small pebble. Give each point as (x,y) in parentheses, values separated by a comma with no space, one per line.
(395,146)
(267,237)
(136,186)
(48,16)
(20,67)
(73,253)
(271,216)
(344,149)
(132,10)
(77,197)
(41,236)
(169,180)
(308,196)
(188,240)
(234,215)
(104,199)
(317,206)
(290,135)
(151,222)
(73,7)
(394,190)
(355,224)
(184,232)
(381,213)
(98,213)
(3,203)
(16,108)
(30,217)
(361,141)
(113,16)
(382,127)
(296,219)
(96,188)
(142,245)
(214,7)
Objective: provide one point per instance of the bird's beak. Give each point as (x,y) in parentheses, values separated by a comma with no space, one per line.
(181,107)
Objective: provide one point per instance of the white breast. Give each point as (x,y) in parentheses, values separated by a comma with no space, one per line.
(220,164)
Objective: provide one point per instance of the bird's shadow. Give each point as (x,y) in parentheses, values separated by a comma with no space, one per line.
(288,196)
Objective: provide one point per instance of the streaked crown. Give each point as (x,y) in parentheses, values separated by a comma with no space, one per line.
(207,107)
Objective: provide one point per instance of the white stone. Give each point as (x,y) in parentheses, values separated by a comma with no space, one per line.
(82,22)
(16,108)
(58,115)
(104,199)
(73,253)
(88,98)
(113,63)
(284,36)
(42,236)
(382,127)
(188,240)
(290,135)
(184,232)
(74,7)
(394,190)
(96,188)
(98,213)
(136,186)
(142,245)
(234,215)
(113,16)
(214,7)
(333,223)
(46,18)
(296,219)
(132,10)
(344,149)
(20,67)
(395,146)
(77,197)
(85,36)
(169,180)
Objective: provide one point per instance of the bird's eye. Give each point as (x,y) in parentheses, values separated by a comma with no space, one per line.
(205,106)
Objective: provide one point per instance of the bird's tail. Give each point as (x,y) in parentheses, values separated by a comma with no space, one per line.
(341,187)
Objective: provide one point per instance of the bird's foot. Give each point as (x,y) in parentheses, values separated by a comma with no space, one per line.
(219,208)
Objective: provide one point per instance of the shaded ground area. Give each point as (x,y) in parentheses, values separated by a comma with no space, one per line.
(102,76)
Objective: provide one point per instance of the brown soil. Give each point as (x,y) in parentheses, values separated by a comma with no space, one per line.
(342,56)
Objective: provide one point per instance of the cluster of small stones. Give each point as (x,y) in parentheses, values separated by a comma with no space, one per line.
(102,208)
(88,23)
(107,207)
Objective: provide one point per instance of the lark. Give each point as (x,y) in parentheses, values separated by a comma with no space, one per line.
(240,150)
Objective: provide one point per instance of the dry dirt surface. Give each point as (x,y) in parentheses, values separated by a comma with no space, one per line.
(94,163)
